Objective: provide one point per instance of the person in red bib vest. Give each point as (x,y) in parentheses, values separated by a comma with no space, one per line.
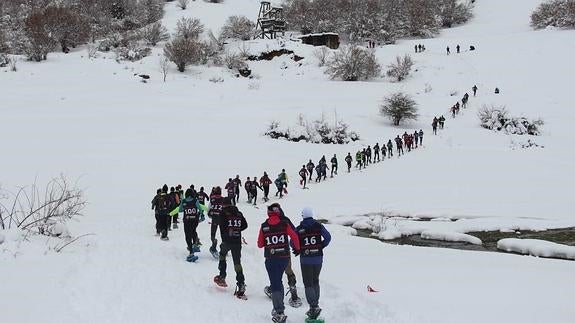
(274,237)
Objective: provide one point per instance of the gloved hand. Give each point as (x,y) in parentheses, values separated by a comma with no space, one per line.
(295,252)
(202,218)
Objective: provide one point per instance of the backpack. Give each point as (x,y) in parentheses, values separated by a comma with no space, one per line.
(163,203)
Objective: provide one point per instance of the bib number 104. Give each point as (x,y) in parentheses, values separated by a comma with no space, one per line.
(275,239)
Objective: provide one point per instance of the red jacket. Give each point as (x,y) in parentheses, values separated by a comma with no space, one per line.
(273,219)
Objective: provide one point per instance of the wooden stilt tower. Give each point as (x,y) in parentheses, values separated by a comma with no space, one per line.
(270,21)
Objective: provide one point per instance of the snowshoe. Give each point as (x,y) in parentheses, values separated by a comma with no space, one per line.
(164,238)
(279,318)
(318,320)
(241,292)
(294,300)
(191,258)
(313,313)
(215,254)
(268,291)
(220,281)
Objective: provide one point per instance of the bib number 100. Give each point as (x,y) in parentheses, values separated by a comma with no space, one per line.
(275,239)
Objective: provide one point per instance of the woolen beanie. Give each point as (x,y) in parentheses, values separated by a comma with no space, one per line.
(307,212)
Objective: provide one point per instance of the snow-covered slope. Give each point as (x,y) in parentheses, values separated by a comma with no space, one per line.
(94,120)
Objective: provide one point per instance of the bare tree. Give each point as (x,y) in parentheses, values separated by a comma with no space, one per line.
(154,33)
(189,28)
(39,41)
(322,55)
(399,106)
(185,51)
(65,26)
(238,27)
(164,66)
(183,4)
(33,208)
(353,63)
(400,68)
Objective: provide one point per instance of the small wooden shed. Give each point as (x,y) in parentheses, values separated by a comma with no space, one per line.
(330,40)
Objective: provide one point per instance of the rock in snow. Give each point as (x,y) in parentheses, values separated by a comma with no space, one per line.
(450,236)
(538,248)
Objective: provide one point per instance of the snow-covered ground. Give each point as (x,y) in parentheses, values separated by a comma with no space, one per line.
(94,120)
(538,248)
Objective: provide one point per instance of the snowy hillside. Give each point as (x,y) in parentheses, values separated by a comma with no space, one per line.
(95,121)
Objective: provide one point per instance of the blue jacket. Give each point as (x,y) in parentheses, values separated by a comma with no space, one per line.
(326,239)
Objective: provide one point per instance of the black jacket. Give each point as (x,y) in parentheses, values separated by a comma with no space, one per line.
(232,223)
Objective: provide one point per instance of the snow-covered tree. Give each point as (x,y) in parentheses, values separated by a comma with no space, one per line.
(453,12)
(185,51)
(189,28)
(399,106)
(556,13)
(154,33)
(400,69)
(353,63)
(238,27)
(151,11)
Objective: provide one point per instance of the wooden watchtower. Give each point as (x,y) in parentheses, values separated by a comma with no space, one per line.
(270,21)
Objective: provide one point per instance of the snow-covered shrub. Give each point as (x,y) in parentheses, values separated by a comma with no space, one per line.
(234,61)
(188,28)
(525,145)
(498,119)
(40,209)
(322,54)
(132,52)
(400,69)
(353,63)
(185,51)
(92,50)
(399,106)
(4,60)
(556,13)
(12,65)
(183,4)
(216,79)
(238,27)
(320,131)
(154,33)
